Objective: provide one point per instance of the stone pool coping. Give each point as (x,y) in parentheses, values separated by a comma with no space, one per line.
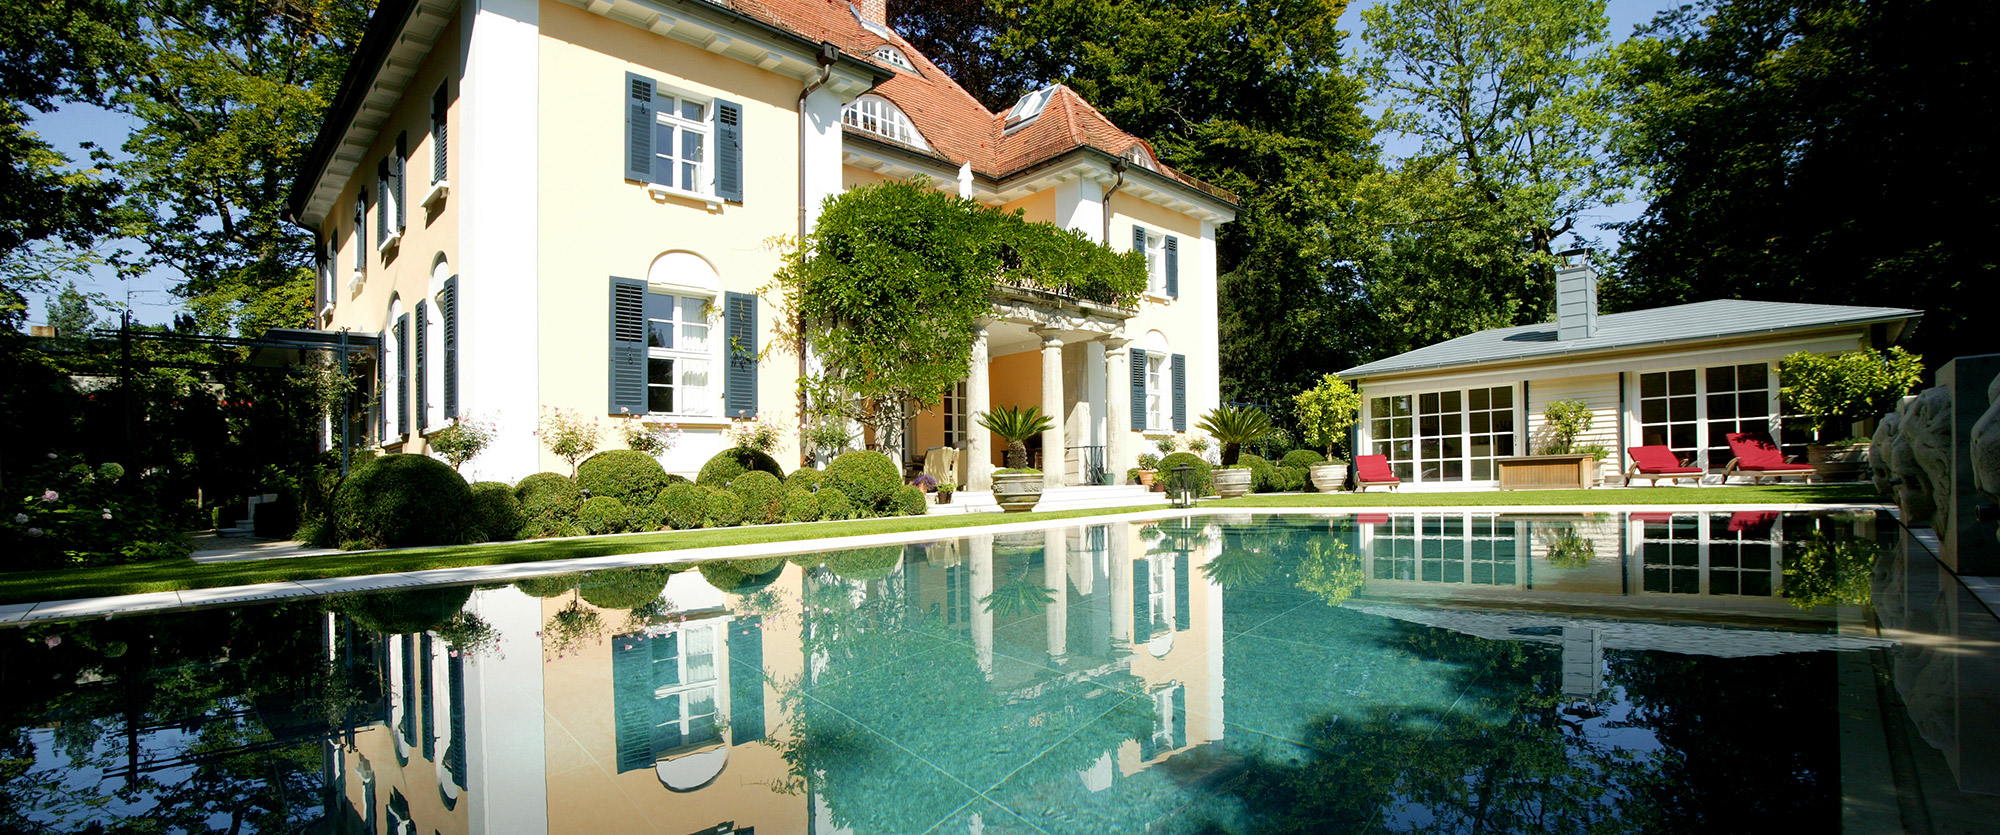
(169,601)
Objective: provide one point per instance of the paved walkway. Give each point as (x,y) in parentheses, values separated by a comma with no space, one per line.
(212,548)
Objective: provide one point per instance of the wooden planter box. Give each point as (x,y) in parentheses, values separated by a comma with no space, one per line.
(1546,472)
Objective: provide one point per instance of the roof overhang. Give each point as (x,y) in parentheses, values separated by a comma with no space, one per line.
(733,34)
(1102,167)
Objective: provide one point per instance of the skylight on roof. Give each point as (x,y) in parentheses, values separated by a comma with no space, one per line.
(893,57)
(1030,105)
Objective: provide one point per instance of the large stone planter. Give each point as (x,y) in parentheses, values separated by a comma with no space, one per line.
(1017,492)
(1230,483)
(1838,463)
(1328,478)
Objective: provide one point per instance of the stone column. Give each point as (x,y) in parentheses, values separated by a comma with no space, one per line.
(981,559)
(1053,452)
(1055,575)
(1117,407)
(1121,582)
(978,399)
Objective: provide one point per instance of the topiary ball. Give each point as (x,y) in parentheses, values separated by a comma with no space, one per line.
(761,493)
(733,462)
(1204,482)
(404,612)
(804,477)
(549,502)
(603,514)
(1290,479)
(495,512)
(738,576)
(834,503)
(866,476)
(624,588)
(865,563)
(1261,472)
(623,474)
(907,500)
(722,509)
(682,506)
(1301,458)
(800,505)
(402,500)
(553,585)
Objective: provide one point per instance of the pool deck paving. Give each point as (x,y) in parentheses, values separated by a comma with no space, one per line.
(30,612)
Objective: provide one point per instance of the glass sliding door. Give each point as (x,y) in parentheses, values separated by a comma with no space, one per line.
(1443,436)
(1692,411)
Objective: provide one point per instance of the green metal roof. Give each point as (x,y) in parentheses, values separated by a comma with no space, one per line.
(1662,326)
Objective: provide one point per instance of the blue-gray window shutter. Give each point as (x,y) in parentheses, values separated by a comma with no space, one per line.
(1173,267)
(403,374)
(746,691)
(423,366)
(1138,390)
(454,757)
(1180,392)
(399,171)
(1138,239)
(427,672)
(360,233)
(1142,601)
(639,128)
(381,201)
(729,151)
(632,700)
(739,334)
(440,106)
(1181,617)
(448,329)
(628,346)
(382,387)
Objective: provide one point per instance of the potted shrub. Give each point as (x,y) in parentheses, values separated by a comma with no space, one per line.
(1558,461)
(1017,487)
(1149,468)
(1830,393)
(1325,412)
(1235,426)
(944,491)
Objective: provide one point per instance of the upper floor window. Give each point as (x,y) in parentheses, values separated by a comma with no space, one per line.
(882,117)
(893,57)
(680,142)
(1163,263)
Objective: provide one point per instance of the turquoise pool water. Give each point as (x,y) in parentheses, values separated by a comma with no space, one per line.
(1406,671)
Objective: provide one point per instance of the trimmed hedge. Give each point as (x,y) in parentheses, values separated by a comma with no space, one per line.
(624,588)
(907,500)
(805,477)
(834,503)
(495,512)
(723,509)
(1204,482)
(549,502)
(404,612)
(553,585)
(604,514)
(1301,458)
(682,506)
(865,563)
(866,476)
(1291,480)
(403,500)
(800,505)
(1262,474)
(762,495)
(733,462)
(623,474)
(741,576)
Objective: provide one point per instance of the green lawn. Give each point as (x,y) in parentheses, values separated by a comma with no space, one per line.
(170,575)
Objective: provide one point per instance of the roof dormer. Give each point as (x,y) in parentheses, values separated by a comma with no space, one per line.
(880,116)
(893,57)
(1031,105)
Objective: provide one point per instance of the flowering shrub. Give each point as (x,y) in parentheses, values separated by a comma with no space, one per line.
(571,436)
(75,514)
(570,630)
(651,438)
(754,435)
(462,441)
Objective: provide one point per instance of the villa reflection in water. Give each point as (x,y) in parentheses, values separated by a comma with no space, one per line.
(1400,671)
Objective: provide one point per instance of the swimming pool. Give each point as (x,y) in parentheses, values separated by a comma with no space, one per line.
(1294,672)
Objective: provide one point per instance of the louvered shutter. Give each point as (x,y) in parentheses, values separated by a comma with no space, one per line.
(1138,390)
(632,700)
(1173,267)
(1142,602)
(454,757)
(382,387)
(440,106)
(427,672)
(448,331)
(403,375)
(1180,392)
(639,128)
(1139,239)
(1181,589)
(398,171)
(729,151)
(628,346)
(360,234)
(746,691)
(422,358)
(739,315)
(381,201)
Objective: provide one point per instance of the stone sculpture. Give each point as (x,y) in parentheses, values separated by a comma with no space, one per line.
(1922,457)
(1881,468)
(1986,444)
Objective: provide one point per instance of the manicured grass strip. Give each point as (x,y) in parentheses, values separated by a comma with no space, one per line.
(178,574)
(1736,494)
(173,575)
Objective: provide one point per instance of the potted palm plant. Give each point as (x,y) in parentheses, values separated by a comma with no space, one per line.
(1325,412)
(1017,487)
(1234,426)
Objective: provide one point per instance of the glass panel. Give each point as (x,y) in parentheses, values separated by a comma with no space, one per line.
(1753,376)
(1680,382)
(1454,470)
(1482,470)
(1753,404)
(1722,378)
(1454,446)
(1482,422)
(1428,403)
(1505,444)
(1503,397)
(1503,421)
(1451,401)
(1454,424)
(1681,436)
(691,144)
(659,399)
(659,371)
(692,111)
(1428,425)
(659,334)
(1681,408)
(1653,411)
(1653,385)
(1479,397)
(1482,446)
(1757,584)
(1721,406)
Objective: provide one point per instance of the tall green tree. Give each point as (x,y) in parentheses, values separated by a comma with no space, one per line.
(1507,101)
(1818,151)
(69,312)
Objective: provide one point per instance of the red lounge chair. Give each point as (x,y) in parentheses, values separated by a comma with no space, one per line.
(1371,518)
(1661,518)
(1372,470)
(1657,462)
(1753,522)
(1760,459)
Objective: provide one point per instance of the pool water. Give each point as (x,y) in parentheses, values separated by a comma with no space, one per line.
(1406,671)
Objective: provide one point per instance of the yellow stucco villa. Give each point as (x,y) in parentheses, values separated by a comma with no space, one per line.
(539,205)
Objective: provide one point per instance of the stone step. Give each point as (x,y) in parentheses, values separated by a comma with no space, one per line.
(1059,498)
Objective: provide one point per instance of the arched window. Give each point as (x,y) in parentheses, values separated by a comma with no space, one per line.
(682,289)
(882,117)
(893,57)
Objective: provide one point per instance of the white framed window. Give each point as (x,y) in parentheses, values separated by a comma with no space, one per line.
(360,242)
(685,682)
(955,423)
(394,390)
(1734,554)
(682,137)
(1692,411)
(883,118)
(1156,263)
(1159,409)
(1456,549)
(433,341)
(1443,436)
(893,57)
(679,355)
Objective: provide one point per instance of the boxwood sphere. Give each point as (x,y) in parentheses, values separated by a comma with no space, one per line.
(761,493)
(604,514)
(1204,482)
(800,505)
(495,511)
(866,476)
(723,508)
(549,502)
(1301,458)
(683,506)
(834,503)
(733,462)
(403,500)
(907,500)
(623,474)
(805,477)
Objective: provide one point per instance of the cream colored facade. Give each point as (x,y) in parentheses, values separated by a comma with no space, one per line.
(536,217)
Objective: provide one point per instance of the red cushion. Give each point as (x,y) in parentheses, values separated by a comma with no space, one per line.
(1754,451)
(1373,468)
(1657,458)
(1652,517)
(1752,520)
(1372,518)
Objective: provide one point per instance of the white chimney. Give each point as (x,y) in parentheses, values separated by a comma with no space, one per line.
(874,11)
(1576,296)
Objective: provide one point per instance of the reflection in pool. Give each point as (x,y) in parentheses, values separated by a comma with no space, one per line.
(1461,671)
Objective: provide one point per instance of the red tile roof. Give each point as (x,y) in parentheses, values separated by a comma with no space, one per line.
(956,125)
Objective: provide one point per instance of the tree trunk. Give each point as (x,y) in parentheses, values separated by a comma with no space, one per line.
(1017,455)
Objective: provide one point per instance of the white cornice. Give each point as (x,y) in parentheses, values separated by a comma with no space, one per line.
(717,31)
(419,36)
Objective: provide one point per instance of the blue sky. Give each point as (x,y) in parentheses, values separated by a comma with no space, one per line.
(152,303)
